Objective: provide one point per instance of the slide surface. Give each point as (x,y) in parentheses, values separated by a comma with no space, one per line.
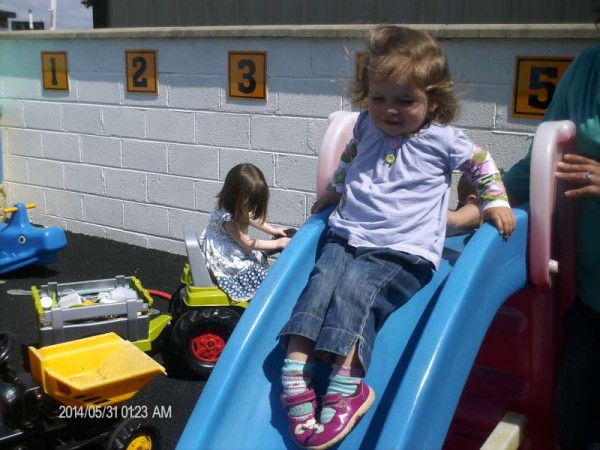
(421,360)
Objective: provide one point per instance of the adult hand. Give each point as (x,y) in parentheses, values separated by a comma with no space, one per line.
(502,217)
(583,172)
(326,199)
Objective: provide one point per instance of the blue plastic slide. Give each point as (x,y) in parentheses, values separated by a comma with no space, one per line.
(421,359)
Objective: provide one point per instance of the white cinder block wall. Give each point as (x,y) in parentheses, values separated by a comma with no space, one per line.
(133,168)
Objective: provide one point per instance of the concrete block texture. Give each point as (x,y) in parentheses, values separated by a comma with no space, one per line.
(134,167)
(193,92)
(15,169)
(103,211)
(146,219)
(145,155)
(83,119)
(101,151)
(124,122)
(126,184)
(296,172)
(65,146)
(100,88)
(226,130)
(68,205)
(23,142)
(11,112)
(45,173)
(173,191)
(280,134)
(172,126)
(309,97)
(196,161)
(83,178)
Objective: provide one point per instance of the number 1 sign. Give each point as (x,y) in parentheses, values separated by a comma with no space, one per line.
(141,73)
(55,72)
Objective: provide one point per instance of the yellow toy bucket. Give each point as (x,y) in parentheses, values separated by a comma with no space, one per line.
(95,371)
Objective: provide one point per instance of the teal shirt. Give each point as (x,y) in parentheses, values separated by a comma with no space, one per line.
(577,98)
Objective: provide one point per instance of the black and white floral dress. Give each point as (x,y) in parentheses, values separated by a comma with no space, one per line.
(238,271)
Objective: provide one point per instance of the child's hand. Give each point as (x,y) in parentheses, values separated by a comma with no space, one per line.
(463,219)
(502,217)
(326,199)
(281,243)
(280,232)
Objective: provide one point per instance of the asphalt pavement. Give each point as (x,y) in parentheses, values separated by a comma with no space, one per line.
(92,258)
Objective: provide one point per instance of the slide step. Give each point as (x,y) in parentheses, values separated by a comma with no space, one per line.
(508,434)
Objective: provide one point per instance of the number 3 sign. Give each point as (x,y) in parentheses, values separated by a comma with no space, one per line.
(248,75)
(141,71)
(536,79)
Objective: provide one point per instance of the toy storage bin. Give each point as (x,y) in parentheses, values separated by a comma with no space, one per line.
(96,371)
(129,319)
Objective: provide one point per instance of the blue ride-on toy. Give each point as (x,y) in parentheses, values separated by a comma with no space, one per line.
(22,244)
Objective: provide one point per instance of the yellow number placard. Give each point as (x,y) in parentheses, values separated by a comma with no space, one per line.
(247,75)
(55,72)
(141,73)
(536,78)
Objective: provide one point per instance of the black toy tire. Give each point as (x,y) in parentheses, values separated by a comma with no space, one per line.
(133,434)
(199,336)
(7,342)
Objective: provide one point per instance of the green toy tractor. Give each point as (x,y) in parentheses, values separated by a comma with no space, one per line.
(203,317)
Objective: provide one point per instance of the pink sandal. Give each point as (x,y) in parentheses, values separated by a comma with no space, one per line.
(301,427)
(348,411)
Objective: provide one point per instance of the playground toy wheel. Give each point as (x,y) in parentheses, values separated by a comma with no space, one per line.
(133,434)
(207,346)
(199,337)
(7,342)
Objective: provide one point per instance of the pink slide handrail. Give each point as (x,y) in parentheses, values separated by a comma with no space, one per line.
(338,134)
(551,141)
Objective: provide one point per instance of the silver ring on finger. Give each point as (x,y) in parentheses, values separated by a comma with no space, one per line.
(588,177)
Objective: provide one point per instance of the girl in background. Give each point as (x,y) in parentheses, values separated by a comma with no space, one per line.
(236,260)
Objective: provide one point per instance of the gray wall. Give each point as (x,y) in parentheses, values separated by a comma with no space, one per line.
(129,167)
(149,13)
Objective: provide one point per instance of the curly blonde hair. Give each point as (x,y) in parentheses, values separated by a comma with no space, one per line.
(395,52)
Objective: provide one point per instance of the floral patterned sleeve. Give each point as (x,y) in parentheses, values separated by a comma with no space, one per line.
(482,172)
(339,176)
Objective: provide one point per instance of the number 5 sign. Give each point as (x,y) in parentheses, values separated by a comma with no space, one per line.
(536,79)
(248,75)
(141,73)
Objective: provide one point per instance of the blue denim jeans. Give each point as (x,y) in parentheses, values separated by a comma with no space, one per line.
(351,292)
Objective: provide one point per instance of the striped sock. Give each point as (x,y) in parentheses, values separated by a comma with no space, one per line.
(296,377)
(343,380)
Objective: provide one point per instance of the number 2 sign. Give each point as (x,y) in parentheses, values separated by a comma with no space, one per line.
(248,75)
(536,79)
(141,73)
